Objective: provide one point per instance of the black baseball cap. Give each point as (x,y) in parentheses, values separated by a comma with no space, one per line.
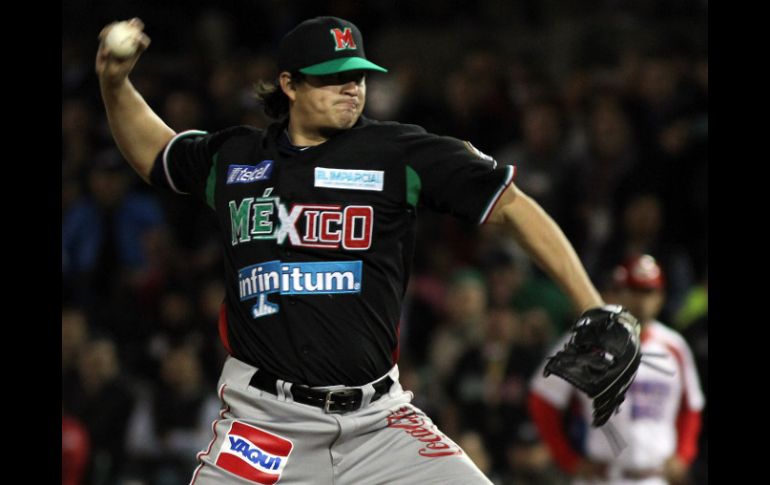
(324,45)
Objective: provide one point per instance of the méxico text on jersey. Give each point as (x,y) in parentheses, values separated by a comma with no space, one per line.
(324,226)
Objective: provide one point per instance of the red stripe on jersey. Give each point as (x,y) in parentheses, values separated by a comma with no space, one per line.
(688,422)
(236,465)
(396,350)
(548,420)
(223,328)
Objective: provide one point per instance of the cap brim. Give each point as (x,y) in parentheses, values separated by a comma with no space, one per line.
(341,65)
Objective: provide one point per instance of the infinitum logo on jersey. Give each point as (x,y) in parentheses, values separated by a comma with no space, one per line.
(311,278)
(254,454)
(246,174)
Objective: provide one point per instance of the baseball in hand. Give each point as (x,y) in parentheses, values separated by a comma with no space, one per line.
(122,40)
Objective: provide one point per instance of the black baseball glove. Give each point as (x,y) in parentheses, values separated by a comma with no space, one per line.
(601,358)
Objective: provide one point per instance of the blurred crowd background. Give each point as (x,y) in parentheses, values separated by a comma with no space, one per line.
(602,105)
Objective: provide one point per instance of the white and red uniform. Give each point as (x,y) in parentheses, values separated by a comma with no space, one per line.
(660,416)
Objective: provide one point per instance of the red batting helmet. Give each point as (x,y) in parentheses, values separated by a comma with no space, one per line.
(639,273)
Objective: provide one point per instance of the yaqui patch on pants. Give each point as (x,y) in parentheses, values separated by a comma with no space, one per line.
(254,454)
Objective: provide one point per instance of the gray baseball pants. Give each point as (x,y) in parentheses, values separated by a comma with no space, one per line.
(265,438)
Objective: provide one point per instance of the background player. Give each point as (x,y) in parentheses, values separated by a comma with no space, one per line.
(660,418)
(317,221)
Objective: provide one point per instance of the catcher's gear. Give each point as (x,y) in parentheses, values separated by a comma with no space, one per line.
(601,358)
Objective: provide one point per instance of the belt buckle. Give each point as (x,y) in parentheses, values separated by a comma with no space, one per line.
(340,392)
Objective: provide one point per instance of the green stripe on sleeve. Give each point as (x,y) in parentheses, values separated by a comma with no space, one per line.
(211,182)
(413,186)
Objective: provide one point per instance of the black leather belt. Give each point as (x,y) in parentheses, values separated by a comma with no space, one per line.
(342,400)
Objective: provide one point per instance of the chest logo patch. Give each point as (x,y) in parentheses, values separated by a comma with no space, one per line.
(337,178)
(246,174)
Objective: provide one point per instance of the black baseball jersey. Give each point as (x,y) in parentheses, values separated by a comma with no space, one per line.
(318,242)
